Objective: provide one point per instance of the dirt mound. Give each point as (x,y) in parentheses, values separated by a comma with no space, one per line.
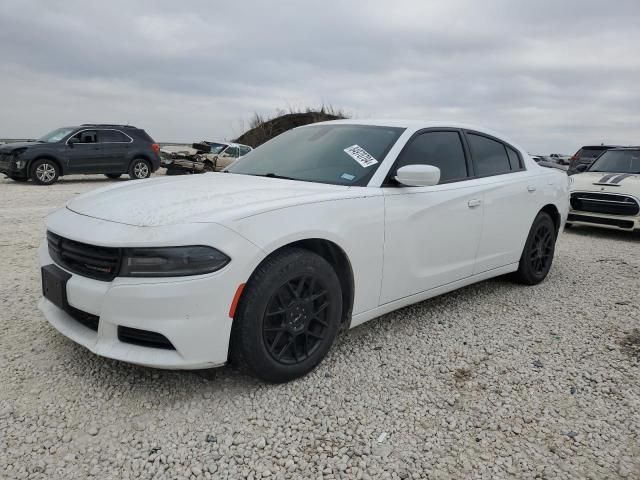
(263,130)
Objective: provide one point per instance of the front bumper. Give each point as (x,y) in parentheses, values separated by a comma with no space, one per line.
(615,222)
(9,168)
(191,312)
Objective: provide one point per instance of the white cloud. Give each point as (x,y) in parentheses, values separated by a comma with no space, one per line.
(551,75)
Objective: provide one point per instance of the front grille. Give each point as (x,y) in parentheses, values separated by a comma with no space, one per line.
(99,263)
(5,160)
(614,222)
(610,204)
(143,338)
(87,319)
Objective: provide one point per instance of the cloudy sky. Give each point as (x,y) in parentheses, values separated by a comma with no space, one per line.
(552,75)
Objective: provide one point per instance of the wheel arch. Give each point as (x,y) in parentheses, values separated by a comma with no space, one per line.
(554,213)
(337,258)
(45,156)
(140,156)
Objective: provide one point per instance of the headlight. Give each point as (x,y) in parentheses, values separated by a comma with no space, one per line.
(171,261)
(16,158)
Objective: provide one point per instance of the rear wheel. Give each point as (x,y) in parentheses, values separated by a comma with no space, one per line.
(140,169)
(113,176)
(288,316)
(44,172)
(537,255)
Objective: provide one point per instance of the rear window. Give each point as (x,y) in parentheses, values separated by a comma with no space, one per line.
(144,135)
(113,136)
(490,157)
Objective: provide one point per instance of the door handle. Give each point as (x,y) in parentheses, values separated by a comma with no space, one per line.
(474,203)
(531,188)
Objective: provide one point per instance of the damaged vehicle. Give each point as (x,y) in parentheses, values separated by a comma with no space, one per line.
(201,157)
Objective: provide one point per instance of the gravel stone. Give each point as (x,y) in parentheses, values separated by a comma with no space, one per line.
(451,381)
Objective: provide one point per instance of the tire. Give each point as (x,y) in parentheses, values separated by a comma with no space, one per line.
(45,172)
(208,167)
(113,176)
(288,316)
(537,256)
(139,169)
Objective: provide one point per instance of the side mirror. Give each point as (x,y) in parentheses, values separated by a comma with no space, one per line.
(72,141)
(418,175)
(582,168)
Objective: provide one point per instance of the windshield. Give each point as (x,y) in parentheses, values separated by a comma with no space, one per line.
(619,161)
(216,147)
(55,136)
(334,154)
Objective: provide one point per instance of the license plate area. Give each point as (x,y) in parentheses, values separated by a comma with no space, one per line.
(54,285)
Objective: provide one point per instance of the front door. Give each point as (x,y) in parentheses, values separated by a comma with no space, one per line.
(84,154)
(431,233)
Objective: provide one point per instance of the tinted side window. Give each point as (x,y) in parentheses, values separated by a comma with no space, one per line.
(244,150)
(111,136)
(232,151)
(440,149)
(489,156)
(86,136)
(514,159)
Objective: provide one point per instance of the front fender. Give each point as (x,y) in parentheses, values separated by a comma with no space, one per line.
(356,225)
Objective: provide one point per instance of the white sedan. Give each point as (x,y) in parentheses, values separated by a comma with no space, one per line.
(321,229)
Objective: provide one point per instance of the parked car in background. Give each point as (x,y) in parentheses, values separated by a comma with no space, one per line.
(560,158)
(320,229)
(106,149)
(548,162)
(607,194)
(586,156)
(201,157)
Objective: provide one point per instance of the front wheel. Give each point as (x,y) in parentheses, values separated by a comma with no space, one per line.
(45,172)
(140,169)
(288,316)
(537,255)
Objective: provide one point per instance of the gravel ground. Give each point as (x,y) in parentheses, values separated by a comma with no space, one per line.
(493,381)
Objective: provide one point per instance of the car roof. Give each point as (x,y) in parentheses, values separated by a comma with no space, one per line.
(601,147)
(419,125)
(107,125)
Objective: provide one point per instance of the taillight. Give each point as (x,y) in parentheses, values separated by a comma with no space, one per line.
(156,148)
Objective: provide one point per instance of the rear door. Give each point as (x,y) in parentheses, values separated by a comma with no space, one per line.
(84,153)
(431,233)
(115,147)
(508,207)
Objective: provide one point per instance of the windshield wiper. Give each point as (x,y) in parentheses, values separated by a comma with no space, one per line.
(275,175)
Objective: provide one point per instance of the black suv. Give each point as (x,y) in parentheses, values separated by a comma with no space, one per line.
(90,148)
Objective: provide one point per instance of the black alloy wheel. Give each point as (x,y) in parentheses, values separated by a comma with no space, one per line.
(541,249)
(288,316)
(537,256)
(295,321)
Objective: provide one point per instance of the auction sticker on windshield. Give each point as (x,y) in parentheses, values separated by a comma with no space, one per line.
(360,155)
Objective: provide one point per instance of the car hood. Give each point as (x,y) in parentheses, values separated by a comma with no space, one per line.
(209,197)
(10,147)
(607,182)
